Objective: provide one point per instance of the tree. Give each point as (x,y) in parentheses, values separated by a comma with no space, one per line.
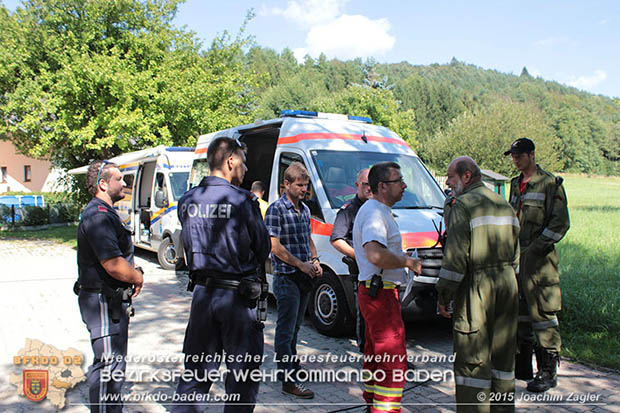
(525,74)
(487,133)
(379,104)
(92,79)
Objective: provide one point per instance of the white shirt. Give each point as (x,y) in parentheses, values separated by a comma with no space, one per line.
(374,222)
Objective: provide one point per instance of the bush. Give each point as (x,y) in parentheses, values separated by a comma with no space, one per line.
(5,215)
(33,215)
(63,212)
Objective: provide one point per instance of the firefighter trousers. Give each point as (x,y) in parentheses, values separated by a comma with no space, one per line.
(385,353)
(484,331)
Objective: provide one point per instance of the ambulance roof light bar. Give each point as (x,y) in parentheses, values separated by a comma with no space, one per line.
(322,115)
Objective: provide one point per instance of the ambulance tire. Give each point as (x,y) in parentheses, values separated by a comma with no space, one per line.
(167,255)
(329,311)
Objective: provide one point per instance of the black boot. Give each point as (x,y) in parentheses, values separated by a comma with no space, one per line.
(547,376)
(523,362)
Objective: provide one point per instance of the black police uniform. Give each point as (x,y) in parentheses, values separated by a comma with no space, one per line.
(102,235)
(343,229)
(225,239)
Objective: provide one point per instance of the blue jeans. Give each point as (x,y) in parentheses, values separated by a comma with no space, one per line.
(292,305)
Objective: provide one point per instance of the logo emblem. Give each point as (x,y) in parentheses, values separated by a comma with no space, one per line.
(35,384)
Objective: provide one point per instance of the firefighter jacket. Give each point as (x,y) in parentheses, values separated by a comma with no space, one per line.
(543,215)
(542,196)
(543,201)
(482,241)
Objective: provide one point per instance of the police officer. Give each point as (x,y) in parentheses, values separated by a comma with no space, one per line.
(225,241)
(342,239)
(107,282)
(540,202)
(478,273)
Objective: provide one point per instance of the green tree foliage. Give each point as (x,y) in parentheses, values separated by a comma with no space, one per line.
(91,79)
(486,133)
(435,104)
(377,103)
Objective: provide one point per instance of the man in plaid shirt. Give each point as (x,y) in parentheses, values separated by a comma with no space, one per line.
(295,264)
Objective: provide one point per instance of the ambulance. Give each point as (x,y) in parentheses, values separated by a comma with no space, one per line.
(156,178)
(334,148)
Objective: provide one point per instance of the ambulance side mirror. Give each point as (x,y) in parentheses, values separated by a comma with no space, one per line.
(160,199)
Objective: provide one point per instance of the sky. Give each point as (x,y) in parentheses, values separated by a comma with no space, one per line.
(576,43)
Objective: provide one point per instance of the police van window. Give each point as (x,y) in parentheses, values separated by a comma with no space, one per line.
(200,169)
(311,200)
(129,189)
(178,184)
(160,185)
(338,172)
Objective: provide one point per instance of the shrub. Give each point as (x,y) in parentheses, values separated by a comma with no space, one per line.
(33,215)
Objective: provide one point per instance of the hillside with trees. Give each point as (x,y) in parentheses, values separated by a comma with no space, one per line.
(87,80)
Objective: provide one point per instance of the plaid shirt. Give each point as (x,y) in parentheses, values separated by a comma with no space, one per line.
(293,230)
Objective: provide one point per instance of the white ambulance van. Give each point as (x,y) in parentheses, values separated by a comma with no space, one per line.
(156,178)
(334,148)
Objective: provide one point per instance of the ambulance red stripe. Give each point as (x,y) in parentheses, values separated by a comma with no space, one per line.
(342,136)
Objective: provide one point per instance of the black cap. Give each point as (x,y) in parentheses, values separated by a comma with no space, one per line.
(521,145)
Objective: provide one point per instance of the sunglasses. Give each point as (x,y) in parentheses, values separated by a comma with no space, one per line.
(101,168)
(238,145)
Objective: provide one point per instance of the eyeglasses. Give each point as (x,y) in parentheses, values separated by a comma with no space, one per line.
(365,184)
(101,168)
(393,181)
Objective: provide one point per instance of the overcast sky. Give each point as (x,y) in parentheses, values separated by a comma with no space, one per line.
(573,42)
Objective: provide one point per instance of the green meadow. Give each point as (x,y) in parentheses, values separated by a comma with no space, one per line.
(590,271)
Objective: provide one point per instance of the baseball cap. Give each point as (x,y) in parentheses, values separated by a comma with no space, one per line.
(521,145)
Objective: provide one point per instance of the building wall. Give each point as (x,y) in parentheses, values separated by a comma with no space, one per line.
(15,162)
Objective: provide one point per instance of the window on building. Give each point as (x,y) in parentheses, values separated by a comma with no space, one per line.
(27,173)
(5,174)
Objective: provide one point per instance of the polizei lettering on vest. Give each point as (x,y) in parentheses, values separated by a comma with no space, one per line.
(207,210)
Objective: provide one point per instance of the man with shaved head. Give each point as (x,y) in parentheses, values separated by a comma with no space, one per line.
(478,274)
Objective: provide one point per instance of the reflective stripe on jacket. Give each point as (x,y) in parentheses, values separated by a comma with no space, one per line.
(483,236)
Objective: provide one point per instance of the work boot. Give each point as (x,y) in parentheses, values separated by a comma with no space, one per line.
(297,390)
(523,362)
(547,376)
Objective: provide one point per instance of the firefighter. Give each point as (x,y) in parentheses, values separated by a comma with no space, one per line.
(380,258)
(478,273)
(540,203)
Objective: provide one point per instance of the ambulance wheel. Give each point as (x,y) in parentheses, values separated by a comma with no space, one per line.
(328,306)
(167,255)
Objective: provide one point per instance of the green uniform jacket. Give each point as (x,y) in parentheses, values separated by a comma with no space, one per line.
(483,236)
(539,260)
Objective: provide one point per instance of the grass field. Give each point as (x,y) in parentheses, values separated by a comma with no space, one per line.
(590,271)
(589,266)
(65,235)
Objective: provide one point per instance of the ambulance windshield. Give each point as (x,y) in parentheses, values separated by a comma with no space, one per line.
(338,171)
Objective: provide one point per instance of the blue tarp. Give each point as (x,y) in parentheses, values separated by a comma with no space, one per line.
(19,201)
(22,200)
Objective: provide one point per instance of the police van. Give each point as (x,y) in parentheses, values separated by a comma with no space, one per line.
(156,178)
(334,148)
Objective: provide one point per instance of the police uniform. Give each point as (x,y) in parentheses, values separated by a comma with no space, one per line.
(225,240)
(543,214)
(343,225)
(478,273)
(343,229)
(102,235)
